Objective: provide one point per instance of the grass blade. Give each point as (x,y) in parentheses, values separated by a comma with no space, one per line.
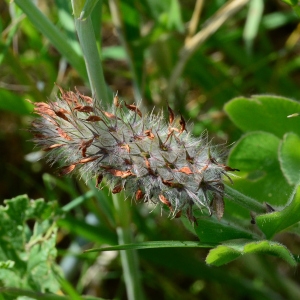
(156,244)
(57,39)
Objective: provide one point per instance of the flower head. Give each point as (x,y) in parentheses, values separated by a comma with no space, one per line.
(150,159)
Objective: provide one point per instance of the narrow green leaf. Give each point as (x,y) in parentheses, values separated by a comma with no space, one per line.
(289,157)
(156,244)
(66,24)
(69,289)
(227,252)
(254,17)
(38,295)
(98,234)
(265,113)
(78,201)
(33,295)
(57,39)
(275,222)
(174,16)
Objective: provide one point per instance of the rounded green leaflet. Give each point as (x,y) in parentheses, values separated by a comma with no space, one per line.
(265,113)
(256,155)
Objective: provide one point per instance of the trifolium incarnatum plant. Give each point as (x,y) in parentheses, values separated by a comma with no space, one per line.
(151,159)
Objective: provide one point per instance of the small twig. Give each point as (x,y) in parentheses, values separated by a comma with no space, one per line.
(192,44)
(194,20)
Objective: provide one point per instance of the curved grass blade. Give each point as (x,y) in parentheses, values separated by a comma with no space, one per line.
(156,244)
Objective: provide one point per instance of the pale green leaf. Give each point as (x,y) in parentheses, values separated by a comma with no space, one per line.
(227,252)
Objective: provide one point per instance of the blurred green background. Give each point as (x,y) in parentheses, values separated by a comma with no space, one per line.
(240,48)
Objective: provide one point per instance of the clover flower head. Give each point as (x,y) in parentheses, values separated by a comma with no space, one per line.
(151,159)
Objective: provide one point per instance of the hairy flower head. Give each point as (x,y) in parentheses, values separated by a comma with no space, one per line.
(151,159)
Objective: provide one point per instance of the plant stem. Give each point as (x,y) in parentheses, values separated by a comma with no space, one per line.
(195,19)
(128,257)
(244,201)
(88,44)
(121,210)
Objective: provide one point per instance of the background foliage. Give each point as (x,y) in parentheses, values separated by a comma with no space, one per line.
(254,50)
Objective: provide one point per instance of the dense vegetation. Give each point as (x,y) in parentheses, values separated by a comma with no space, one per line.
(228,67)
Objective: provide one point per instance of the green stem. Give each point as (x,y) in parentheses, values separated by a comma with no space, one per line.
(128,257)
(244,201)
(88,44)
(122,212)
